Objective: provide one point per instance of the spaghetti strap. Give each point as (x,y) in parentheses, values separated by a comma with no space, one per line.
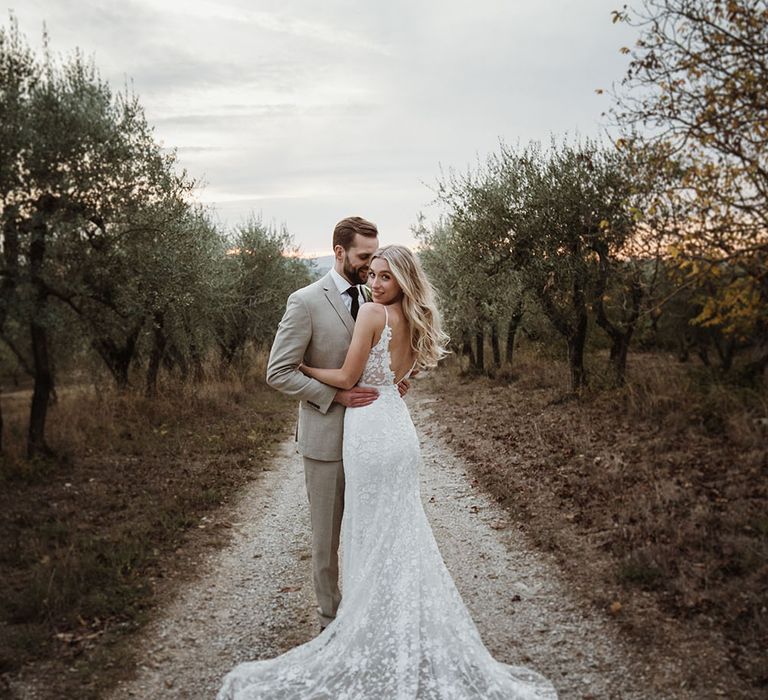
(386,316)
(408,373)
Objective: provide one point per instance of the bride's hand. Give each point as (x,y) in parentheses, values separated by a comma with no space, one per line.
(303,368)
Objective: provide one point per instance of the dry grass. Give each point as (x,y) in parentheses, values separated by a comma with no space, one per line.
(92,539)
(655,491)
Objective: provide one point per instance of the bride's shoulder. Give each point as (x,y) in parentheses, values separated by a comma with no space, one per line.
(372,312)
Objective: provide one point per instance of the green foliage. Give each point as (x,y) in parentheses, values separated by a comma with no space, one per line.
(260,270)
(554,223)
(665,233)
(694,106)
(105,253)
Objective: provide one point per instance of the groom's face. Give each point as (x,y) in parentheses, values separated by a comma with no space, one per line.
(358,257)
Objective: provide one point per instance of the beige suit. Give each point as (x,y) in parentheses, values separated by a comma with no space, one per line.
(317,329)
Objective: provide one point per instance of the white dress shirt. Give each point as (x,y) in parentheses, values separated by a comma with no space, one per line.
(343,285)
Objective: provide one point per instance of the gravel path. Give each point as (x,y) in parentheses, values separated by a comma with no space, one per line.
(254,598)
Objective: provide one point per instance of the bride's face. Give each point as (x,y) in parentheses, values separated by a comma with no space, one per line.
(382,282)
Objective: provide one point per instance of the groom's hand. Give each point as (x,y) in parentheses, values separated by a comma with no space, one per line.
(357,396)
(403,387)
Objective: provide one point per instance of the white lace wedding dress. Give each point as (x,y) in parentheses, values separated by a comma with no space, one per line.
(402,630)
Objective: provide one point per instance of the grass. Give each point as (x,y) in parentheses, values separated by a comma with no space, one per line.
(638,570)
(93,538)
(658,488)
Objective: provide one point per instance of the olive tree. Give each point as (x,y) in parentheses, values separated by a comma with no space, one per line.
(77,162)
(261,269)
(696,96)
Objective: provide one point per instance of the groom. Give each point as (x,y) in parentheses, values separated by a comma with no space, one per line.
(317,329)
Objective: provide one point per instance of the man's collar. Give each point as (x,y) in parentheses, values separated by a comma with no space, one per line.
(342,284)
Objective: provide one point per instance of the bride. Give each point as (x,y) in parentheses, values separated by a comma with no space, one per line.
(402,630)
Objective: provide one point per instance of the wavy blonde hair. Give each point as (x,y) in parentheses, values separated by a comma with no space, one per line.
(427,339)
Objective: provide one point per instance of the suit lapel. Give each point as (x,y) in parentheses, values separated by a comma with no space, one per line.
(333,296)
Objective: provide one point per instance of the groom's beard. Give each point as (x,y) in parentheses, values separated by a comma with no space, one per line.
(356,275)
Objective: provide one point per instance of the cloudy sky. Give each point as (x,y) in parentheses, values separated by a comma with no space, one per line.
(306,112)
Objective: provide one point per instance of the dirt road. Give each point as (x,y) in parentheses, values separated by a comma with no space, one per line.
(254,598)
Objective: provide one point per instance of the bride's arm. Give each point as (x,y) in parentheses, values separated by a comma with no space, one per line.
(370,319)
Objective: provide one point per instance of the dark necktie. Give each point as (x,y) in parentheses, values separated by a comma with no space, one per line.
(353,293)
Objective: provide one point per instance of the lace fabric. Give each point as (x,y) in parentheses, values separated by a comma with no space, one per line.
(378,371)
(402,631)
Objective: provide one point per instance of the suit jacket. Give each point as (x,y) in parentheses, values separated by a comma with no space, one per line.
(316,329)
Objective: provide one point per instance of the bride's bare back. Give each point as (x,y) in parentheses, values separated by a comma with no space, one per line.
(402,357)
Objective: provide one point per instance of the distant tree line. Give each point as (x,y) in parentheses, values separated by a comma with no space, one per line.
(104,252)
(660,238)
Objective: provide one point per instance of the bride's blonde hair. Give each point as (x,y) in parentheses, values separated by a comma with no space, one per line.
(427,339)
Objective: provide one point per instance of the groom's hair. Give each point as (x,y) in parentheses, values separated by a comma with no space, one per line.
(346,229)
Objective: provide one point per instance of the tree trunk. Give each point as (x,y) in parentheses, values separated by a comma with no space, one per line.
(578,338)
(618,357)
(575,333)
(36,445)
(620,337)
(755,369)
(195,356)
(495,345)
(468,351)
(117,361)
(118,357)
(514,323)
(10,246)
(509,350)
(158,349)
(726,349)
(757,363)
(175,358)
(229,351)
(575,345)
(480,350)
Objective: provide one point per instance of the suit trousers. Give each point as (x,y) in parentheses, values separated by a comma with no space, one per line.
(325,490)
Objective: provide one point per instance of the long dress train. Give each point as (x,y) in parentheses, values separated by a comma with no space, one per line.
(402,631)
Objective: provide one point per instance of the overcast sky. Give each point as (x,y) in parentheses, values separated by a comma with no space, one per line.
(307,111)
